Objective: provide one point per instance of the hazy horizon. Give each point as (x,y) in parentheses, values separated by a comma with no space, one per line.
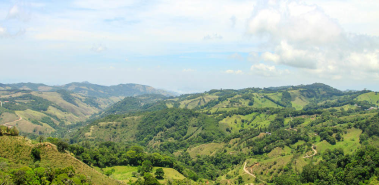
(191,46)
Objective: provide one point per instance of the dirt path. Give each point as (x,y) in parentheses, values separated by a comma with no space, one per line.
(5,124)
(314,150)
(247,171)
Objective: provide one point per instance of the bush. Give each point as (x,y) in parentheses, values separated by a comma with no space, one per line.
(159,173)
(62,146)
(36,154)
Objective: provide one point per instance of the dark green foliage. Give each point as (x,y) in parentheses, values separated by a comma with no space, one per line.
(49,121)
(337,168)
(37,122)
(287,179)
(159,173)
(369,126)
(34,102)
(66,95)
(146,167)
(62,146)
(177,122)
(109,172)
(286,98)
(148,102)
(36,153)
(6,131)
(240,180)
(26,175)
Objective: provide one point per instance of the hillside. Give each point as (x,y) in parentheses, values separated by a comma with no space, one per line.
(42,113)
(15,153)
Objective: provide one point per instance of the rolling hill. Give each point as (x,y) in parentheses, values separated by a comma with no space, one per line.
(88,89)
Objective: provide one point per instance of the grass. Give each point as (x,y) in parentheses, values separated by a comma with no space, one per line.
(349,144)
(371,97)
(125,173)
(298,101)
(8,117)
(205,149)
(119,131)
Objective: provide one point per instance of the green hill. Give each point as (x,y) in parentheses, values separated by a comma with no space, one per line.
(15,153)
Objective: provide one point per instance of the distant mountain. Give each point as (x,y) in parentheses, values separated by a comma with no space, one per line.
(114,90)
(88,89)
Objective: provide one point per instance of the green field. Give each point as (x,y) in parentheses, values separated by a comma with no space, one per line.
(125,173)
(372,97)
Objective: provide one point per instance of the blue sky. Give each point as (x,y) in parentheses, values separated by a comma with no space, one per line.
(189,45)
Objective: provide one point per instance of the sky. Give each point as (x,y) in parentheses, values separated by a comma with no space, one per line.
(191,45)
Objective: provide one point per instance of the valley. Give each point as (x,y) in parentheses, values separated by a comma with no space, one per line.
(247,136)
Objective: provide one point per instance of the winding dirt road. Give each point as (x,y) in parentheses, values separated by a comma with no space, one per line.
(5,124)
(247,171)
(314,150)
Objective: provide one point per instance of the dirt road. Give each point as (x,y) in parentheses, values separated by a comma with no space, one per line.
(314,150)
(247,171)
(5,124)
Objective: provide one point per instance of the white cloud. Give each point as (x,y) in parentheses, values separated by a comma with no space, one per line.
(238,72)
(267,70)
(294,22)
(99,48)
(302,36)
(287,55)
(235,56)
(368,61)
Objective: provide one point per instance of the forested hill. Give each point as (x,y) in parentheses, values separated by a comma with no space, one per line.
(289,135)
(88,89)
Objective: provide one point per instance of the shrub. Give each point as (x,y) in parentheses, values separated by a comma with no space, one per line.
(62,146)
(36,153)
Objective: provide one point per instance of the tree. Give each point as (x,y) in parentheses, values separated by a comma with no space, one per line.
(240,180)
(62,146)
(150,179)
(41,139)
(14,131)
(147,166)
(110,172)
(338,137)
(159,173)
(36,153)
